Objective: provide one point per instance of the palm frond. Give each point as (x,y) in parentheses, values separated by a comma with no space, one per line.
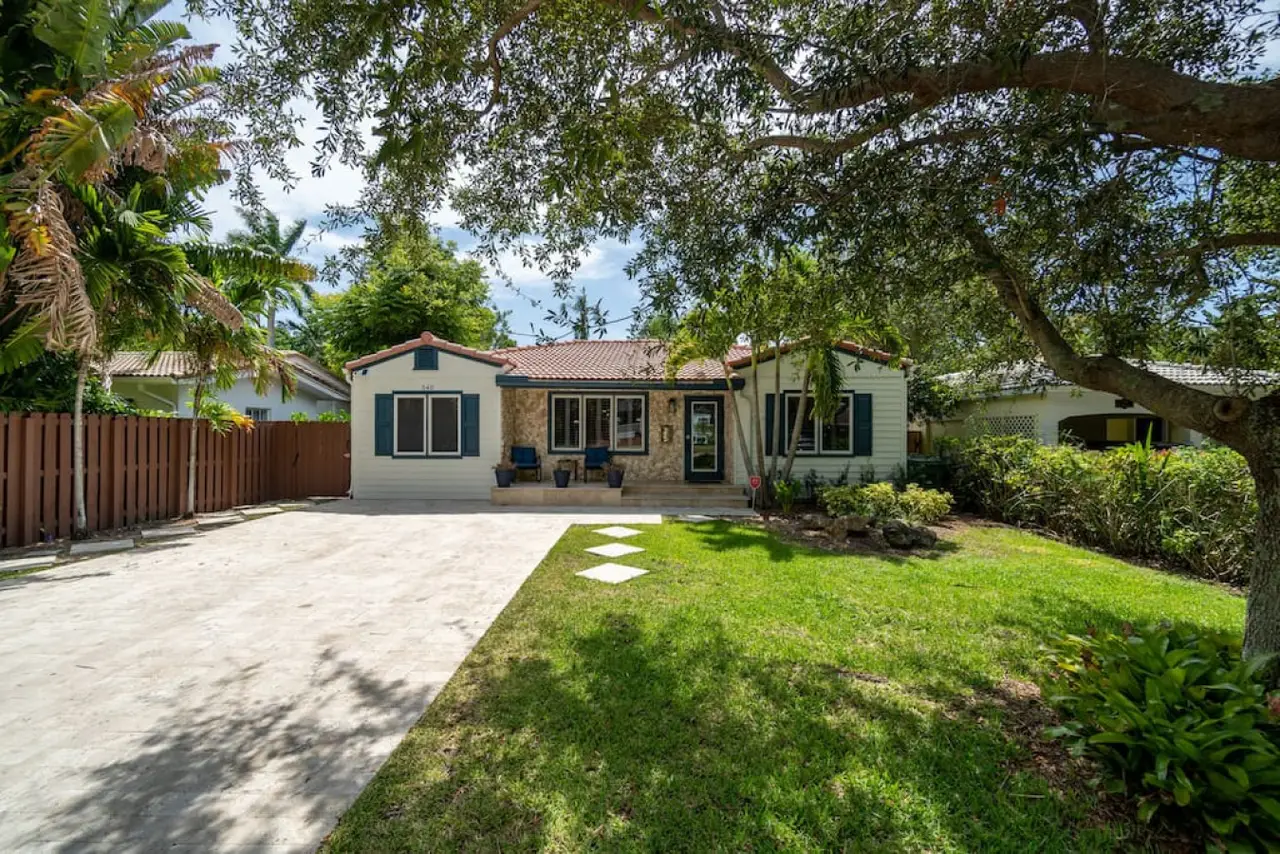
(24,346)
(77,29)
(45,276)
(81,139)
(826,379)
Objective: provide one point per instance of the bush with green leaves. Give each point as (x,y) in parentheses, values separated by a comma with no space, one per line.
(1180,721)
(784,491)
(882,501)
(1193,508)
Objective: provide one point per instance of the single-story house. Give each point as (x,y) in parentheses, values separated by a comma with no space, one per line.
(1029,399)
(430,418)
(166,383)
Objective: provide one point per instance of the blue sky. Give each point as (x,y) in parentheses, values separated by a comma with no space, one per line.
(602,271)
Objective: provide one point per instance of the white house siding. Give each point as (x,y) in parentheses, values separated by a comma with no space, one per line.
(1037,415)
(888,389)
(424,478)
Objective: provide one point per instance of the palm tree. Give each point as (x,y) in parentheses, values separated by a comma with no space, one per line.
(264,235)
(103,93)
(709,332)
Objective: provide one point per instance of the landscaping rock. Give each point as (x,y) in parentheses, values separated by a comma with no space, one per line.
(840,528)
(813,521)
(901,535)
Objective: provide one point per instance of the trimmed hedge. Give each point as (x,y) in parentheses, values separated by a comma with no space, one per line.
(881,501)
(1190,508)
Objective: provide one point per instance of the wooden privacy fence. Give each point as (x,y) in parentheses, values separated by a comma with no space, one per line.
(136,469)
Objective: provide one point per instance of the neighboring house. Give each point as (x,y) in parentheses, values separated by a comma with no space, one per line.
(1031,400)
(429,418)
(165,382)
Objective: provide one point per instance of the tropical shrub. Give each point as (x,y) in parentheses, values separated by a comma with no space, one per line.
(1180,721)
(1193,508)
(299,417)
(785,493)
(924,505)
(882,501)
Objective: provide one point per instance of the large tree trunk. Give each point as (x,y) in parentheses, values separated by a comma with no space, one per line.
(1262,616)
(77,450)
(794,444)
(743,445)
(197,396)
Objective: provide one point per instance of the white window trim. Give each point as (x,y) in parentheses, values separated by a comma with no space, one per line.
(818,449)
(457,409)
(395,425)
(249,410)
(613,422)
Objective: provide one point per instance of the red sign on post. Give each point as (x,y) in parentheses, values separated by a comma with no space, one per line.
(754,480)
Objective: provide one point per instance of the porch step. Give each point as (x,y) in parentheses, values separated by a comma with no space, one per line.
(693,501)
(727,490)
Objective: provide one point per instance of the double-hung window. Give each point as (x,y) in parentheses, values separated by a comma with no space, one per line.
(428,425)
(613,421)
(832,435)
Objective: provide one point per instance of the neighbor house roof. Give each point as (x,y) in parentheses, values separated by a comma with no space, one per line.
(426,339)
(1031,376)
(173,364)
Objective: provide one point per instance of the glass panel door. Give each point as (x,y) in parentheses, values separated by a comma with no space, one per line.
(704,437)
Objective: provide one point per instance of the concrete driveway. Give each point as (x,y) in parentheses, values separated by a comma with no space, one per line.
(236,690)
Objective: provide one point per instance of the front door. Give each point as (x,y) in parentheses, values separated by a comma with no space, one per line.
(703,438)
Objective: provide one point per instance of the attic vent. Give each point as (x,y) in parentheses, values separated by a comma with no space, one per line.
(1009,425)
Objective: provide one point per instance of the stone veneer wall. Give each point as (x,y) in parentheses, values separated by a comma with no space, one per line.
(524,422)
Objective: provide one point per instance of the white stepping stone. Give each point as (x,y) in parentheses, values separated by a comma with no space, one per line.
(95,547)
(255,512)
(695,517)
(612,573)
(29,562)
(168,533)
(614,550)
(618,531)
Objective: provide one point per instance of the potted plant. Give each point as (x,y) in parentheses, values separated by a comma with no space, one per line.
(613,472)
(562,471)
(505,472)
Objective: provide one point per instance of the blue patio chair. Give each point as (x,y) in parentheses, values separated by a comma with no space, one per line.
(596,460)
(525,457)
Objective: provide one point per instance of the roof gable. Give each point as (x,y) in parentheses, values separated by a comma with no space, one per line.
(427,340)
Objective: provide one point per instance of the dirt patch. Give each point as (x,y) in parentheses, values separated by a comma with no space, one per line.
(1024,717)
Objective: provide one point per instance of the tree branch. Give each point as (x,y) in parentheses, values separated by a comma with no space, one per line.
(516,18)
(1234,241)
(1142,98)
(1213,415)
(733,43)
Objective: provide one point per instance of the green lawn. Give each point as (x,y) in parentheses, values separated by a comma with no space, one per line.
(752,695)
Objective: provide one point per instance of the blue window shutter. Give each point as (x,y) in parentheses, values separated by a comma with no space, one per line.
(769,404)
(426,359)
(471,425)
(862,425)
(384,408)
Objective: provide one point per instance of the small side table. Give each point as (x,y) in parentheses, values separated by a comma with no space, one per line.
(569,462)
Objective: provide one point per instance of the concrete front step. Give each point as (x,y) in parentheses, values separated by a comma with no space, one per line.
(682,501)
(728,490)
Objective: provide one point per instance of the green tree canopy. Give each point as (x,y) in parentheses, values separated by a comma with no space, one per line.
(409,282)
(1068,180)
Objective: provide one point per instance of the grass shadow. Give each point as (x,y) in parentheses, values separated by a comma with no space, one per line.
(651,740)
